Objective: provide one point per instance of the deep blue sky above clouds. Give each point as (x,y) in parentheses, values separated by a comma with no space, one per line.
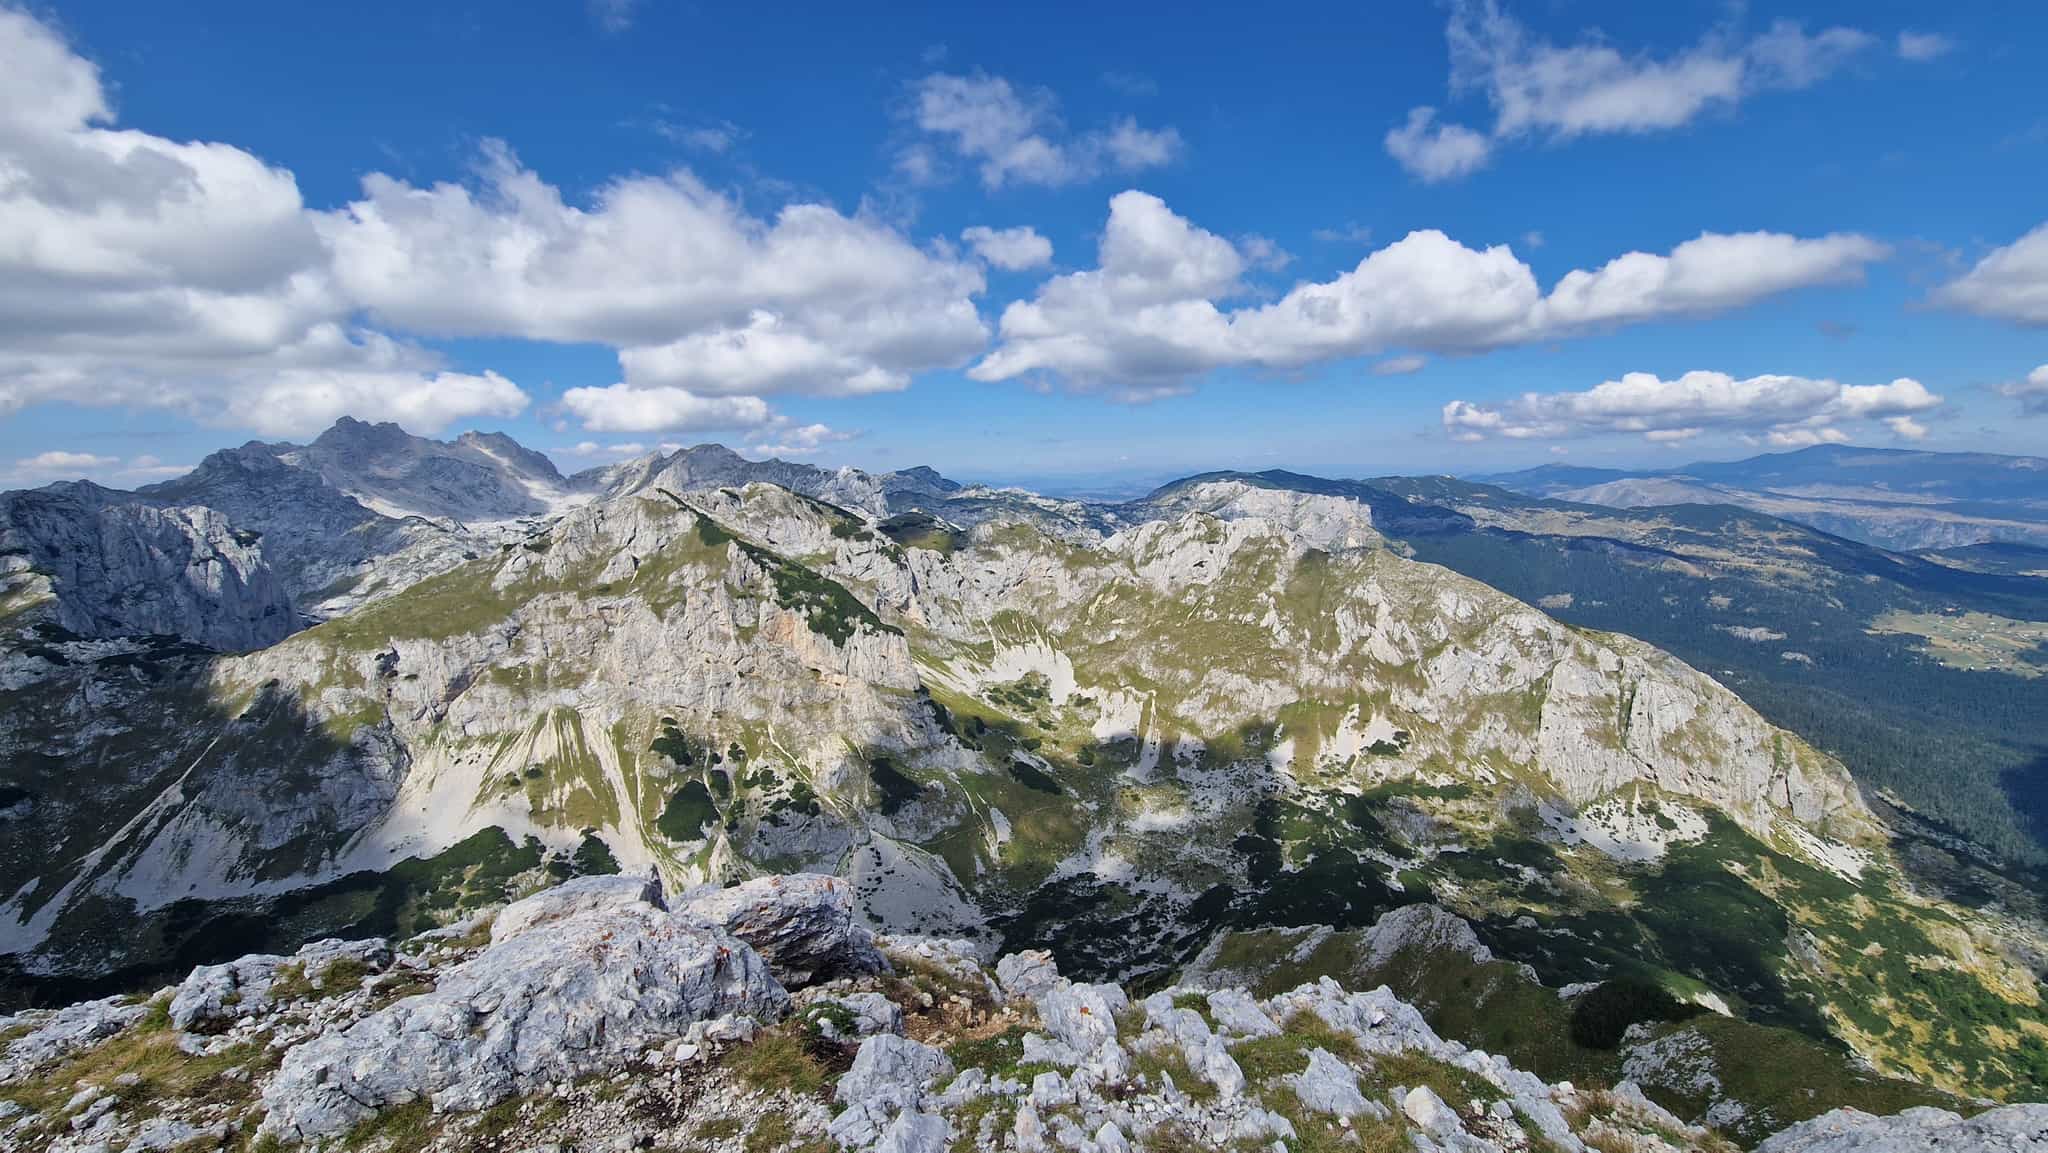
(1049,242)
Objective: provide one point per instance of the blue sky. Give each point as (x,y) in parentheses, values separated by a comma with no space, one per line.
(1253,241)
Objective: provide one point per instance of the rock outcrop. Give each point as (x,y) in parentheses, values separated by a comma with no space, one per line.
(216,994)
(804,925)
(570,996)
(108,568)
(2011,1129)
(594,1018)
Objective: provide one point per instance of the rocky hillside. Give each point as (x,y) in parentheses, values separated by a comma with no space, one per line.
(1117,735)
(365,511)
(764,1018)
(79,562)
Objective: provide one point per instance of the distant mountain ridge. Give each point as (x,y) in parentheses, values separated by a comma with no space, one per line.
(365,510)
(1904,499)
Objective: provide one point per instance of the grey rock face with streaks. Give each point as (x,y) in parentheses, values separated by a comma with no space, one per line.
(55,1034)
(112,569)
(564,999)
(892,1078)
(571,897)
(215,994)
(804,925)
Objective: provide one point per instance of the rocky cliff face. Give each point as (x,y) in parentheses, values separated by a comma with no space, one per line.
(685,679)
(475,477)
(101,569)
(1107,733)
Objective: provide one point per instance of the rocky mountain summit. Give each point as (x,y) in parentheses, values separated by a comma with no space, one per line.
(763,1018)
(365,511)
(1235,735)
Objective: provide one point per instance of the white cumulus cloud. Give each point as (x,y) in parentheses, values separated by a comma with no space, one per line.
(1014,249)
(1436,152)
(661,408)
(1158,308)
(2009,283)
(1787,410)
(61,461)
(187,275)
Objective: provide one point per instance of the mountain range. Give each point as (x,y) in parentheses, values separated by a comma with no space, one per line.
(374,683)
(1895,498)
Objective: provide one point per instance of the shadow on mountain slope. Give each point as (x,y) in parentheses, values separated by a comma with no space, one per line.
(119,832)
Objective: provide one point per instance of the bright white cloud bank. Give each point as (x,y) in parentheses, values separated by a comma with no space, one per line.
(1541,89)
(1155,309)
(1788,411)
(2010,283)
(136,270)
(190,276)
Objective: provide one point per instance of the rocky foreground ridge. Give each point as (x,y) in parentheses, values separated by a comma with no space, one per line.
(763,1017)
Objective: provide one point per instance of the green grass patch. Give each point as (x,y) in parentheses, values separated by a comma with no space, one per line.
(405,1128)
(779,1061)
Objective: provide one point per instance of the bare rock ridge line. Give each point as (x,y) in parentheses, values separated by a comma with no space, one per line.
(597,1014)
(638,755)
(622,613)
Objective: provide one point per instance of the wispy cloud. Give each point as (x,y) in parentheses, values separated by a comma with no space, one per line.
(1015,136)
(1541,89)
(613,16)
(1924,45)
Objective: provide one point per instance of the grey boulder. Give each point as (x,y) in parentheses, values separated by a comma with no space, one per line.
(803,924)
(2010,1129)
(577,995)
(571,897)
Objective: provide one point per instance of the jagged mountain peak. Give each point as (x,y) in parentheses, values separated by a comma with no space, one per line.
(1107,730)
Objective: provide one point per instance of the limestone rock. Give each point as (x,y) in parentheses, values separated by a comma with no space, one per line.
(118,568)
(891,1077)
(1081,1016)
(2008,1129)
(215,994)
(803,924)
(578,895)
(1236,1012)
(52,1035)
(1427,927)
(1027,975)
(872,1013)
(1329,1086)
(566,998)
(913,1132)
(892,1068)
(1429,1112)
